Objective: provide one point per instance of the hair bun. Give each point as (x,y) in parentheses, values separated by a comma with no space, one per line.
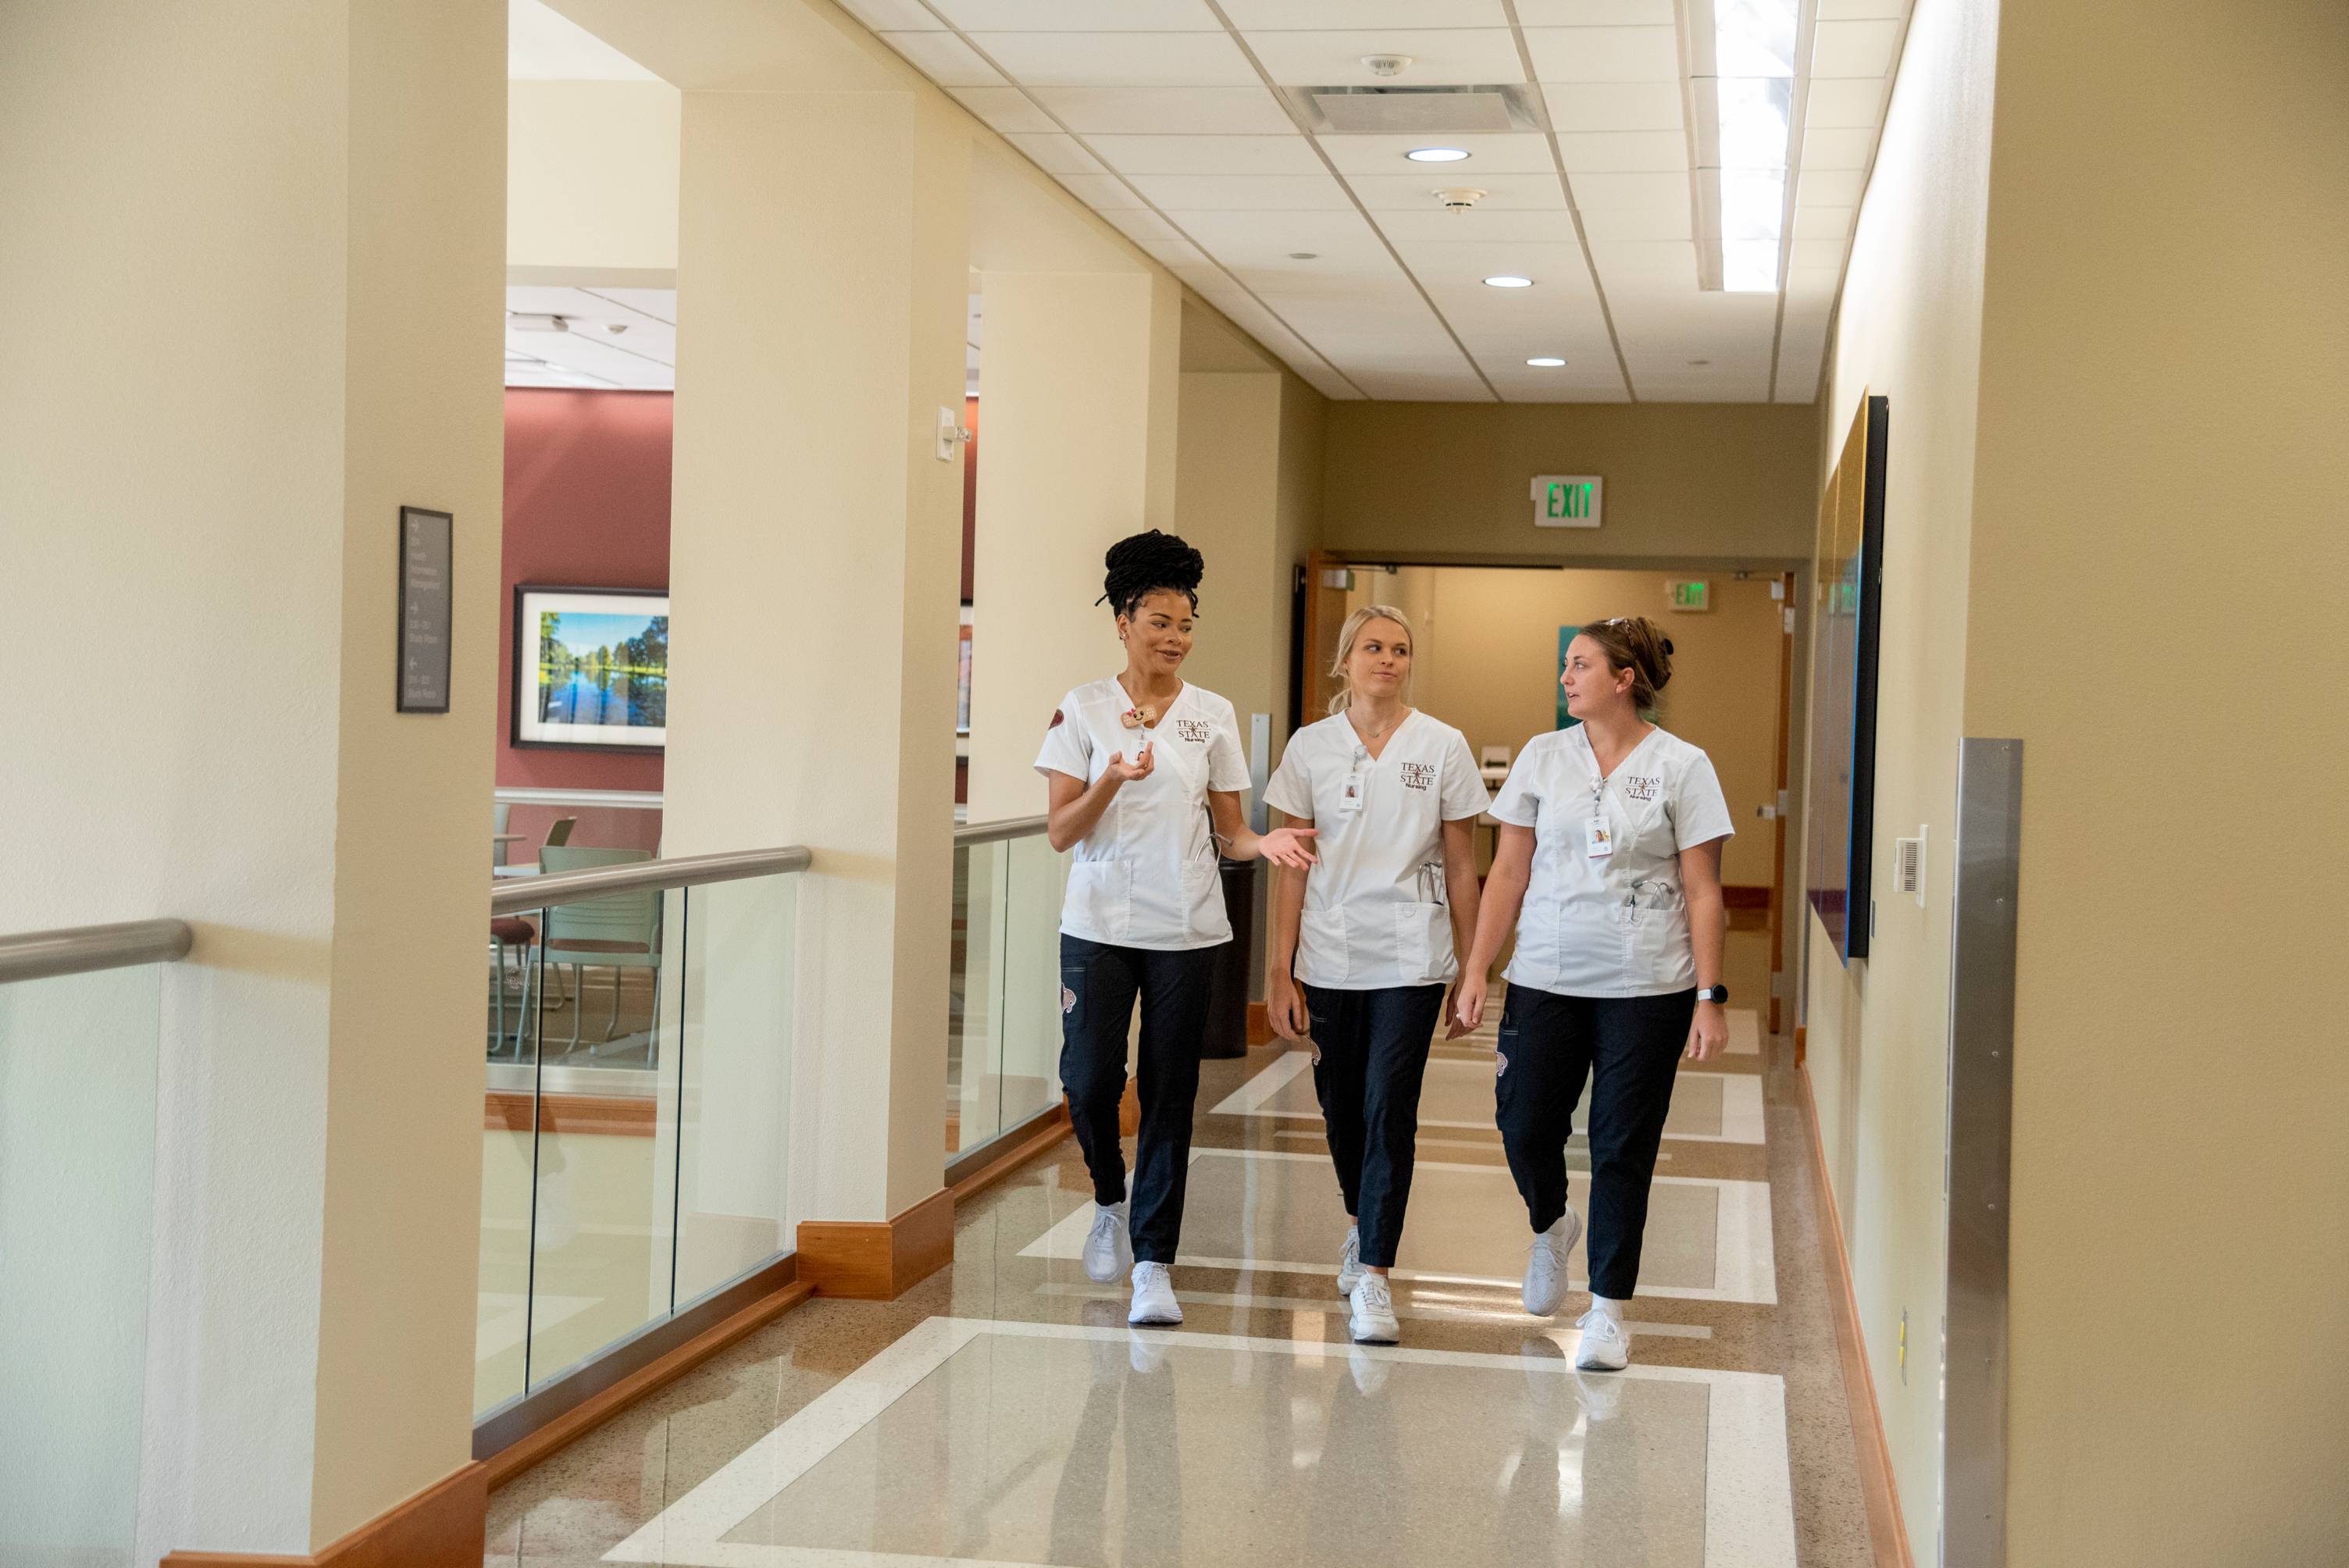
(1669,649)
(1144,563)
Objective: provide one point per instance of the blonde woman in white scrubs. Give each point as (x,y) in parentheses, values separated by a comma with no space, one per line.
(1609,868)
(1371,931)
(1139,766)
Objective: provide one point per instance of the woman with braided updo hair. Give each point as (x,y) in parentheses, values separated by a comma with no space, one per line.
(1610,847)
(1140,768)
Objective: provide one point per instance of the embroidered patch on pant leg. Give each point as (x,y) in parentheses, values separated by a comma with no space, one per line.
(1068,1000)
(1500,1064)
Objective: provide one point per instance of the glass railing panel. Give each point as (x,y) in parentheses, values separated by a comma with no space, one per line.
(975,997)
(1030,1058)
(77,1075)
(731,1096)
(509,1158)
(602,1220)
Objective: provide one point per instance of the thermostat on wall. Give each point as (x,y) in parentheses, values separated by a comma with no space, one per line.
(1566,501)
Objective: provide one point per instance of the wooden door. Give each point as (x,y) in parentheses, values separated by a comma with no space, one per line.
(1326,582)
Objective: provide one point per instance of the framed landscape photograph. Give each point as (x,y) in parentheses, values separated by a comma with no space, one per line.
(591,667)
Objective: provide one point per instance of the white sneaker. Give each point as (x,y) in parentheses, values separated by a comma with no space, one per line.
(1349,1260)
(1109,1252)
(1546,1264)
(1373,1321)
(1606,1344)
(1153,1297)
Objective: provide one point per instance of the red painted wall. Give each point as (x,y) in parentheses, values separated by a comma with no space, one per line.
(586,506)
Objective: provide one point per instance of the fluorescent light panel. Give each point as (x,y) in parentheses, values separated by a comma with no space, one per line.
(1746,90)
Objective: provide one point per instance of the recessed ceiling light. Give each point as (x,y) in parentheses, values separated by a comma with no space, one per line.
(1508,281)
(1436,154)
(1700,362)
(1304,255)
(1546,362)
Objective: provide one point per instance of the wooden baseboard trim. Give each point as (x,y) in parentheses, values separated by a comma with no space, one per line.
(439,1527)
(586,1416)
(1887,1535)
(1800,1042)
(614,1115)
(878,1260)
(1055,1128)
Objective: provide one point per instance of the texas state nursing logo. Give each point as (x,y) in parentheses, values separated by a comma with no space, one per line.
(1643,789)
(1194,730)
(1419,774)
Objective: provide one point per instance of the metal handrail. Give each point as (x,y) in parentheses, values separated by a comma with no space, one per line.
(996,832)
(522,896)
(76,950)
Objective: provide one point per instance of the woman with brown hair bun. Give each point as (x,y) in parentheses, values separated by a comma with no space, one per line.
(1609,868)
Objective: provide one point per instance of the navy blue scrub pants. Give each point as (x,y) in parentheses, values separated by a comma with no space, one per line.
(1369,1058)
(1098,985)
(1629,1049)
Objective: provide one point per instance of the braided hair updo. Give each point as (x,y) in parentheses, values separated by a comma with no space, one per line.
(1142,565)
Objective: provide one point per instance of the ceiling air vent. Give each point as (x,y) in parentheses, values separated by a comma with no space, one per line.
(1416,111)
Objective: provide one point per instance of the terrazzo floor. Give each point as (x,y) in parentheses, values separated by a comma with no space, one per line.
(1001,1412)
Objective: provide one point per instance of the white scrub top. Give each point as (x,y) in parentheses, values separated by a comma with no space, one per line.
(1374,906)
(1147,876)
(1613,924)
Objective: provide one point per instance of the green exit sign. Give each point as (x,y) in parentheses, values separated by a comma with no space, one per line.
(1566,501)
(1689,596)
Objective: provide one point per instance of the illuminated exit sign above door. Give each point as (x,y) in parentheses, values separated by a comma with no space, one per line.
(1566,501)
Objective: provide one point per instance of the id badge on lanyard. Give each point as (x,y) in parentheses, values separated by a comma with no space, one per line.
(1598,836)
(1350,798)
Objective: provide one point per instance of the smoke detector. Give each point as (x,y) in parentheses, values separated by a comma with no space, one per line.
(1387,64)
(1459,197)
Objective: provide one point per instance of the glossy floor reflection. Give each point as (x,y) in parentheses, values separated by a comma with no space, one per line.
(1000,1413)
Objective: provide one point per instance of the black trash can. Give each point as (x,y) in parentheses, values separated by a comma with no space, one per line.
(1227,987)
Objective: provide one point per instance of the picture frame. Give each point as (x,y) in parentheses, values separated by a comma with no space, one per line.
(421,662)
(590,668)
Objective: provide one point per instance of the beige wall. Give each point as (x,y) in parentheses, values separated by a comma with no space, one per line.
(1486,662)
(1451,481)
(206,517)
(2160,475)
(1877,1032)
(1226,504)
(593,172)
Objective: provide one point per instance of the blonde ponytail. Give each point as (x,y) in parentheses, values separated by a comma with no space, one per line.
(1346,635)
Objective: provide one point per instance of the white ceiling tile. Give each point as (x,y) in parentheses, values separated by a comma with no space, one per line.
(1854,48)
(1250,15)
(1646,192)
(1483,224)
(1622,261)
(1102,192)
(1175,252)
(1823,222)
(1639,223)
(1615,105)
(1817,253)
(1453,57)
(1860,10)
(1818,283)
(1119,59)
(1236,237)
(944,60)
(1291,154)
(1623,151)
(1140,225)
(895,16)
(1525,153)
(1842,102)
(1007,110)
(1595,13)
(1464,387)
(1243,192)
(1828,188)
(1369,297)
(1177,111)
(1470,263)
(1416,193)
(1605,53)
(1080,15)
(1361,257)
(1056,154)
(1836,149)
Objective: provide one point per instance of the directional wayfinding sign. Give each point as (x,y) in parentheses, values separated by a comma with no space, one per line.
(1566,501)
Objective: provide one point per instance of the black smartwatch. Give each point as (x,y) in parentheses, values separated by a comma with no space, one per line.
(1714,993)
